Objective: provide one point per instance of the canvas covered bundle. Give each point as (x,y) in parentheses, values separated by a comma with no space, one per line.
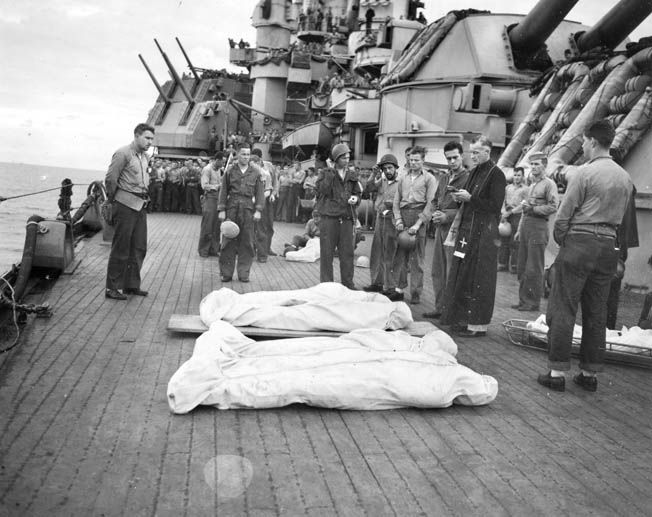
(367,369)
(327,306)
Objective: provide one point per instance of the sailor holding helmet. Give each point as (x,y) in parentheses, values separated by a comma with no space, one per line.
(338,195)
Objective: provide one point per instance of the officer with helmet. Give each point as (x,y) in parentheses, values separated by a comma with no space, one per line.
(383,246)
(338,195)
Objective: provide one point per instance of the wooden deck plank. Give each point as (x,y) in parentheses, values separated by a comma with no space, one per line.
(87,429)
(192,324)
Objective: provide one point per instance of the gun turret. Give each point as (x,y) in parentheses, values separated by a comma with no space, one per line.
(615,26)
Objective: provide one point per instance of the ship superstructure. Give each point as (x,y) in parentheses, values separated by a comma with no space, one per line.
(375,75)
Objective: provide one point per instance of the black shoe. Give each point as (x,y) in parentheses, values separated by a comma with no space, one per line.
(262,260)
(135,291)
(458,328)
(272,254)
(432,315)
(415,300)
(203,255)
(471,333)
(554,383)
(586,382)
(394,296)
(245,280)
(373,288)
(225,279)
(517,306)
(114,294)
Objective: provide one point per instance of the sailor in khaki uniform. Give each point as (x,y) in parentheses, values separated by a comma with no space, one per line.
(127,186)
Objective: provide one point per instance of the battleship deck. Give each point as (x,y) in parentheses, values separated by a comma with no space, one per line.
(86,429)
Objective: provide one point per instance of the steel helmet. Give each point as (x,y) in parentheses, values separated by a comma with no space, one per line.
(505,229)
(362,261)
(388,158)
(229,229)
(339,150)
(406,241)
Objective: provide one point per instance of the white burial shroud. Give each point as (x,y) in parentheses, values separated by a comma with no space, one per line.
(326,306)
(365,369)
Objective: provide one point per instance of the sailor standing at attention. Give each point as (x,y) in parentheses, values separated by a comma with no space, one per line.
(127,186)
(209,231)
(413,208)
(445,209)
(241,200)
(585,228)
(532,234)
(338,195)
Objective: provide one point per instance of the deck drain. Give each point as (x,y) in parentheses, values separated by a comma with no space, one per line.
(229,475)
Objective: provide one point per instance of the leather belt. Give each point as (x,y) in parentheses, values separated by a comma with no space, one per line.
(606,230)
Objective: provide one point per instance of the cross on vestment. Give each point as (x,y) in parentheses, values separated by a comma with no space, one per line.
(463,242)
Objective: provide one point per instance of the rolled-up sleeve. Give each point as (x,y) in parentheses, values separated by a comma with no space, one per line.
(573,198)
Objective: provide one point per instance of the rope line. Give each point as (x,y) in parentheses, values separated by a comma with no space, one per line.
(42,191)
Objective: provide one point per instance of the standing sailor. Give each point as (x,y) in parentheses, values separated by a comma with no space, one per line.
(585,228)
(241,200)
(383,247)
(209,232)
(445,210)
(413,209)
(338,195)
(532,234)
(127,184)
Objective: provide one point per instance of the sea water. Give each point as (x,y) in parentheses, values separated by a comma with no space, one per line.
(20,178)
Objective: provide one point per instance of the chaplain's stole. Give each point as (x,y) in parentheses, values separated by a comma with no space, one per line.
(451,237)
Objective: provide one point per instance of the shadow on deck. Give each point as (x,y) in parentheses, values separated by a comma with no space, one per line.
(86,429)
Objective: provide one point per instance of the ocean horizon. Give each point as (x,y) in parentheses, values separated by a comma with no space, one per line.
(17,179)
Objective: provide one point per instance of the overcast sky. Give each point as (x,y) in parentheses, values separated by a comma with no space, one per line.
(72,87)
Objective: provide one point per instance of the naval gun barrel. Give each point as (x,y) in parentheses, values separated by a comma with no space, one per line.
(190,65)
(616,25)
(151,76)
(539,24)
(175,75)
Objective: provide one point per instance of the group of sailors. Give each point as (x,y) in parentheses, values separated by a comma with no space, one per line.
(174,186)
(466,207)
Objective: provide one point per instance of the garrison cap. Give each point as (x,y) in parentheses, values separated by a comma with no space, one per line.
(538,156)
